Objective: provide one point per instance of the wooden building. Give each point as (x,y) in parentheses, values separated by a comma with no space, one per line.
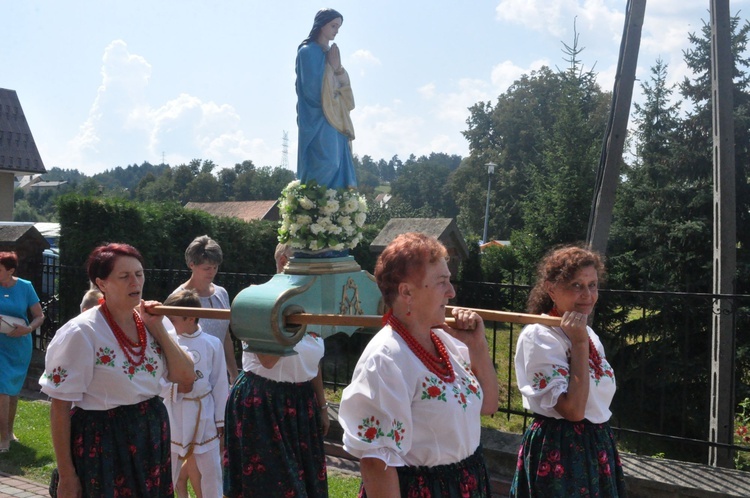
(444,229)
(18,152)
(243,210)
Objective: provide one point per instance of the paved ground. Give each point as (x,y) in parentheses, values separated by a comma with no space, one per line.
(18,487)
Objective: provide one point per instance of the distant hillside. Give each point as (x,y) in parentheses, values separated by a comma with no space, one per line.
(113,179)
(129,176)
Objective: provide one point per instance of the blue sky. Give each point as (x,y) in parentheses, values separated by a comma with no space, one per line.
(111,83)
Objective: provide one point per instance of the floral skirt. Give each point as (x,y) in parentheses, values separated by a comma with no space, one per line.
(562,458)
(124,451)
(465,479)
(273,442)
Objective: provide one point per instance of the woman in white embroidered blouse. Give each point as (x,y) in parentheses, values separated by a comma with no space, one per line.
(412,411)
(276,419)
(106,364)
(565,379)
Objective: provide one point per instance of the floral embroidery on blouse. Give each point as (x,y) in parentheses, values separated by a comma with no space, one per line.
(57,376)
(606,368)
(433,388)
(540,380)
(471,383)
(129,369)
(106,356)
(369,430)
(150,366)
(458,395)
(397,432)
(155,347)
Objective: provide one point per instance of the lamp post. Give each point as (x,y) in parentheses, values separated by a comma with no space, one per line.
(490,170)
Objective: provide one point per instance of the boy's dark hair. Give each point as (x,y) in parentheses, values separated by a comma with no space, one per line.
(186,298)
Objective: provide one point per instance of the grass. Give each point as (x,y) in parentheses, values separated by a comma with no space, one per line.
(34,459)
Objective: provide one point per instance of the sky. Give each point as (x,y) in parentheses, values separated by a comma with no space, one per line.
(109,83)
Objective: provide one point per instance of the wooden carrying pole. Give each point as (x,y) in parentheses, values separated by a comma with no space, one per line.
(366,321)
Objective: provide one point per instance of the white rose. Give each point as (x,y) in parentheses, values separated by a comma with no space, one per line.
(338,247)
(306,203)
(316,228)
(330,208)
(350,205)
(325,222)
(304,219)
(359,219)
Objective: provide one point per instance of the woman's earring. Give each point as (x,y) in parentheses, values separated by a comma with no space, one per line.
(408,310)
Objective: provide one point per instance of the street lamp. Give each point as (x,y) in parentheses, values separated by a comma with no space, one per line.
(490,170)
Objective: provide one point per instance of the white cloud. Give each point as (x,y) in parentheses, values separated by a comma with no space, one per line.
(454,106)
(556,17)
(538,15)
(122,124)
(124,79)
(383,131)
(427,91)
(365,56)
(504,74)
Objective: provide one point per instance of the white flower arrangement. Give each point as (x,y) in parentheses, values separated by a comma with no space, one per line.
(314,217)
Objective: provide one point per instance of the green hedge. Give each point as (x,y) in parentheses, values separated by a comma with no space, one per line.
(161,232)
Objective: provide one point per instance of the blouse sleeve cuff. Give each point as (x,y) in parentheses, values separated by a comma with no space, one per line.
(387,455)
(62,396)
(549,399)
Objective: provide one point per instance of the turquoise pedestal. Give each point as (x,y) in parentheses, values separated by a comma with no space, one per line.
(315,285)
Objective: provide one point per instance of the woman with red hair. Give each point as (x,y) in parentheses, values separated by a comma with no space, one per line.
(412,411)
(106,365)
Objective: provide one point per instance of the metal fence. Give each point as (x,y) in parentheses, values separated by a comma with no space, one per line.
(657,342)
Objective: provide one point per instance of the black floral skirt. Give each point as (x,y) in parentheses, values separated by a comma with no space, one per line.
(273,444)
(562,458)
(465,479)
(124,451)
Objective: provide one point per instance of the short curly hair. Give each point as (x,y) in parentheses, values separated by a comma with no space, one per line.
(560,265)
(405,258)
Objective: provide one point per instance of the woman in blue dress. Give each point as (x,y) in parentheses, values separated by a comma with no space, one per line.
(324,100)
(17,299)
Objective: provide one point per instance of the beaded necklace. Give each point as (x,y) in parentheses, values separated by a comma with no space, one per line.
(131,349)
(595,360)
(439,365)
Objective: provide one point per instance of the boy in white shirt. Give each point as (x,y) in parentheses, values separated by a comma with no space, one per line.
(197,417)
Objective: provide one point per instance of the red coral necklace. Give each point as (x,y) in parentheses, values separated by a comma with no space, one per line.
(135,352)
(595,360)
(439,365)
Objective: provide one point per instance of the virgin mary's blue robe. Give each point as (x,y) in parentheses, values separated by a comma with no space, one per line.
(323,153)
